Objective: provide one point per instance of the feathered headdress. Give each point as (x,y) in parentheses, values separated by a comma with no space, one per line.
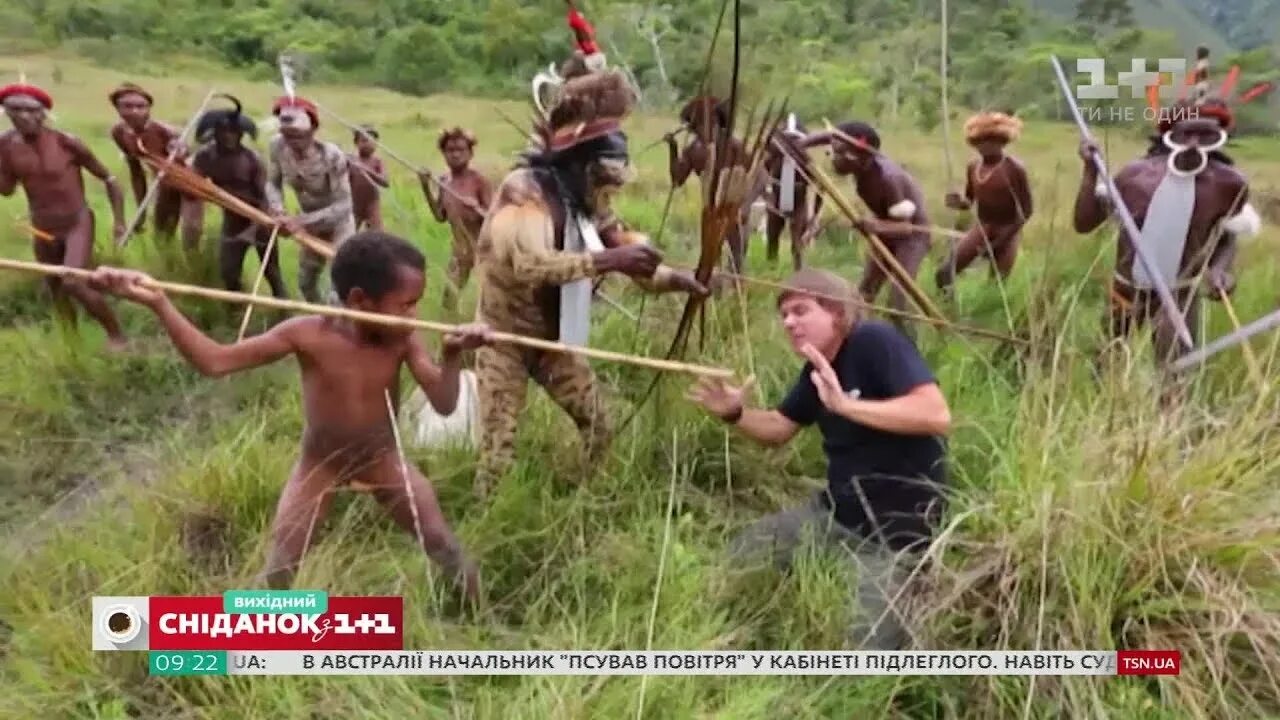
(996,125)
(1221,105)
(234,117)
(586,59)
(587,107)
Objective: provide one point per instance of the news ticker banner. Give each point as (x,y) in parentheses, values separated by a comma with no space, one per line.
(665,662)
(307,632)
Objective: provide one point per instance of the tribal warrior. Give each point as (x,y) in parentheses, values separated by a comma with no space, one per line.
(462,200)
(892,195)
(237,169)
(48,163)
(550,232)
(320,177)
(137,128)
(706,118)
(368,180)
(996,183)
(1189,204)
(789,202)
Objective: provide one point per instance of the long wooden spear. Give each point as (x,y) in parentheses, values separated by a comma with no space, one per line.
(378,319)
(897,274)
(155,186)
(1132,234)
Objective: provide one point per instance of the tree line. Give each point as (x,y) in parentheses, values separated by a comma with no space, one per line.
(878,57)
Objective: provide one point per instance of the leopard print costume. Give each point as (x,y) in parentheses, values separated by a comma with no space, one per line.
(520,270)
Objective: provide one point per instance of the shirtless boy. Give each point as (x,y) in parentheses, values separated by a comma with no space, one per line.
(346,369)
(136,126)
(463,205)
(892,195)
(368,178)
(997,184)
(47,163)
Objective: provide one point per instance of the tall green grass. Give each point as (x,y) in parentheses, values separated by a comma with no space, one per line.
(1083,518)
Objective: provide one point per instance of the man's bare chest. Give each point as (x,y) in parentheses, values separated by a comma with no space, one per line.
(43,162)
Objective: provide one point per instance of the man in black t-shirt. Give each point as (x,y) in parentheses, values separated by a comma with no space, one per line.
(882,418)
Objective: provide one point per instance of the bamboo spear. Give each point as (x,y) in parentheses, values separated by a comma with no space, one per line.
(896,272)
(265,261)
(379,319)
(187,180)
(155,186)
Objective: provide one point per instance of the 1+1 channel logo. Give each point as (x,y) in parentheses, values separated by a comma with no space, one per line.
(1166,75)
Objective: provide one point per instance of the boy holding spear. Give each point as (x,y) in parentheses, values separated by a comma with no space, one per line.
(347,368)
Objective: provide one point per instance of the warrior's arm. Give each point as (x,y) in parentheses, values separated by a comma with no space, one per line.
(137,176)
(814,139)
(438,382)
(1091,208)
(1224,253)
(484,195)
(214,359)
(1021,190)
(902,211)
(435,199)
(90,162)
(614,233)
(380,173)
(8,181)
(340,203)
(520,235)
(274,186)
(678,164)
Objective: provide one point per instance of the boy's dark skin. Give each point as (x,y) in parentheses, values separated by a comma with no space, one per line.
(136,127)
(881,183)
(367,175)
(997,183)
(1220,192)
(347,369)
(48,163)
(238,170)
(463,206)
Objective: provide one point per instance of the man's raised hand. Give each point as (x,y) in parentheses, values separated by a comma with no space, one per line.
(718,397)
(826,382)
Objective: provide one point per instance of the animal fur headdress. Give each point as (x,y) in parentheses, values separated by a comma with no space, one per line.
(1220,105)
(587,107)
(586,59)
(213,120)
(129,88)
(992,125)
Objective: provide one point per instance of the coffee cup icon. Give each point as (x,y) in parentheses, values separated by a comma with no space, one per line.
(120,623)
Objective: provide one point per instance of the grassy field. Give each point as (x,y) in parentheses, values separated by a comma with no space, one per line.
(1084,518)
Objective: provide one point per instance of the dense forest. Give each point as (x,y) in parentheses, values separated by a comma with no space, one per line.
(880,56)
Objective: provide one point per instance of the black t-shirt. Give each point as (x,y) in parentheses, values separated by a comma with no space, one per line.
(897,478)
